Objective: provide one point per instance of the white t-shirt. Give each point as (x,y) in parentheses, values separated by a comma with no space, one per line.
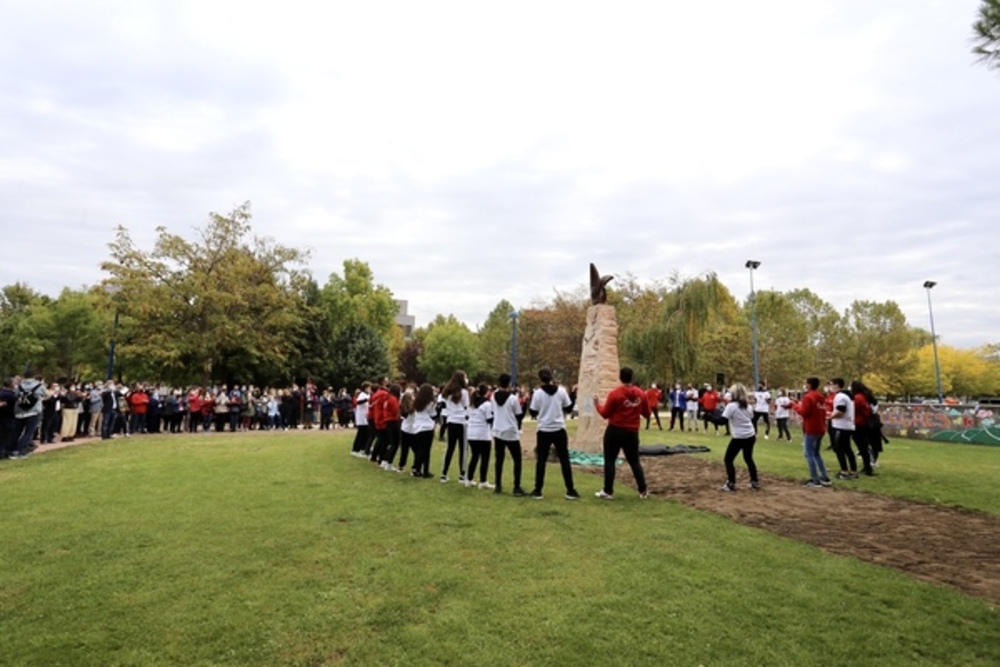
(781,407)
(845,403)
(550,408)
(361,410)
(740,420)
(505,417)
(762,401)
(409,423)
(692,400)
(455,413)
(423,420)
(479,421)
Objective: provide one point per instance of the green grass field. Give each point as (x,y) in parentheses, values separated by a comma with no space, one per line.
(283,550)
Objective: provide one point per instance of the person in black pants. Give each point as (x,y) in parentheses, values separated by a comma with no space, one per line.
(7,399)
(624,409)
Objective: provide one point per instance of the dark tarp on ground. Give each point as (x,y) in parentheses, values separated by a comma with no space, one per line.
(664,450)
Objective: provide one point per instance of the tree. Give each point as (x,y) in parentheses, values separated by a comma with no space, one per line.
(664,332)
(876,342)
(449,345)
(361,354)
(986,34)
(408,361)
(216,308)
(356,299)
(552,335)
(20,346)
(964,373)
(71,329)
(495,340)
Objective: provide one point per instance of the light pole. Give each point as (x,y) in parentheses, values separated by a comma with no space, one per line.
(112,290)
(928,284)
(751,265)
(513,348)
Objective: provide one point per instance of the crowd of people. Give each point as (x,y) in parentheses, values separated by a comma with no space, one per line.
(395,423)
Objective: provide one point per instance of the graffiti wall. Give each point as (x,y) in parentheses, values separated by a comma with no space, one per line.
(943,423)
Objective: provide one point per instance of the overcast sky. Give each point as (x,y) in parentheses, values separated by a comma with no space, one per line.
(472,151)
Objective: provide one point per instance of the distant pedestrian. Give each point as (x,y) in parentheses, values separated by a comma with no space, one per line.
(762,409)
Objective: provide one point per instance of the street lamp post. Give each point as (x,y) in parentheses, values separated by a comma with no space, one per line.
(112,290)
(928,284)
(513,347)
(751,265)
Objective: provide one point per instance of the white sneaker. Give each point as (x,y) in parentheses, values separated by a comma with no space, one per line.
(444,479)
(604,496)
(486,486)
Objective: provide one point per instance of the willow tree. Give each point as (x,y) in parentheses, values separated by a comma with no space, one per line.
(661,329)
(222,306)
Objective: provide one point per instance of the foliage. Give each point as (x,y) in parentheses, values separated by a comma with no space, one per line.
(361,354)
(495,340)
(662,327)
(964,373)
(408,361)
(552,335)
(986,34)
(449,345)
(875,341)
(354,298)
(20,345)
(214,308)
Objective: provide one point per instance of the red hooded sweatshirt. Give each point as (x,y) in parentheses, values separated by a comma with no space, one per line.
(625,407)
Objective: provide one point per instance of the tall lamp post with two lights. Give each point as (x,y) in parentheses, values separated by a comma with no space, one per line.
(928,285)
(752,264)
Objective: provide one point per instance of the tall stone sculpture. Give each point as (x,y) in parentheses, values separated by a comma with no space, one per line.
(598,364)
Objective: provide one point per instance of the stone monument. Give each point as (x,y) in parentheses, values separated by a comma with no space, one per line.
(598,365)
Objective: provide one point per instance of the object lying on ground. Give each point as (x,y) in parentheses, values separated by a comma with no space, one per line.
(664,450)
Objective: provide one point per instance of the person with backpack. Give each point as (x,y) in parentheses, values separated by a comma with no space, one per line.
(27,412)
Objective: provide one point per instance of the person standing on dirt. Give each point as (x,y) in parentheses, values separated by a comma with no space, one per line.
(842,421)
(813,414)
(624,409)
(740,418)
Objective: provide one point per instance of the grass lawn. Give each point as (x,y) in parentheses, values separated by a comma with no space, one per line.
(283,550)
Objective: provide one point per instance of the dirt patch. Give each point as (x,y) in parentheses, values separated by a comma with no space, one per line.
(942,545)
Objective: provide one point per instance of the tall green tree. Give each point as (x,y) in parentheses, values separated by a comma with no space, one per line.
(449,345)
(876,345)
(986,34)
(362,354)
(212,308)
(495,339)
(20,342)
(355,298)
(71,329)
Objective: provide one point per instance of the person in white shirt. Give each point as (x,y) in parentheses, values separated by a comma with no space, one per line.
(456,406)
(781,405)
(692,408)
(480,420)
(507,414)
(406,428)
(842,421)
(744,436)
(363,434)
(424,413)
(548,405)
(762,409)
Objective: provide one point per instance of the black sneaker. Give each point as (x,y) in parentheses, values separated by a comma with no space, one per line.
(519,492)
(810,484)
(537,495)
(825,482)
(754,486)
(572,495)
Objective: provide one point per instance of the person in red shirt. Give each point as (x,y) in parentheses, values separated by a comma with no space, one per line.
(863,399)
(812,407)
(624,409)
(376,417)
(138,400)
(654,397)
(709,403)
(393,421)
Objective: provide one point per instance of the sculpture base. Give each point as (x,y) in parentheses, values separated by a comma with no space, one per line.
(599,368)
